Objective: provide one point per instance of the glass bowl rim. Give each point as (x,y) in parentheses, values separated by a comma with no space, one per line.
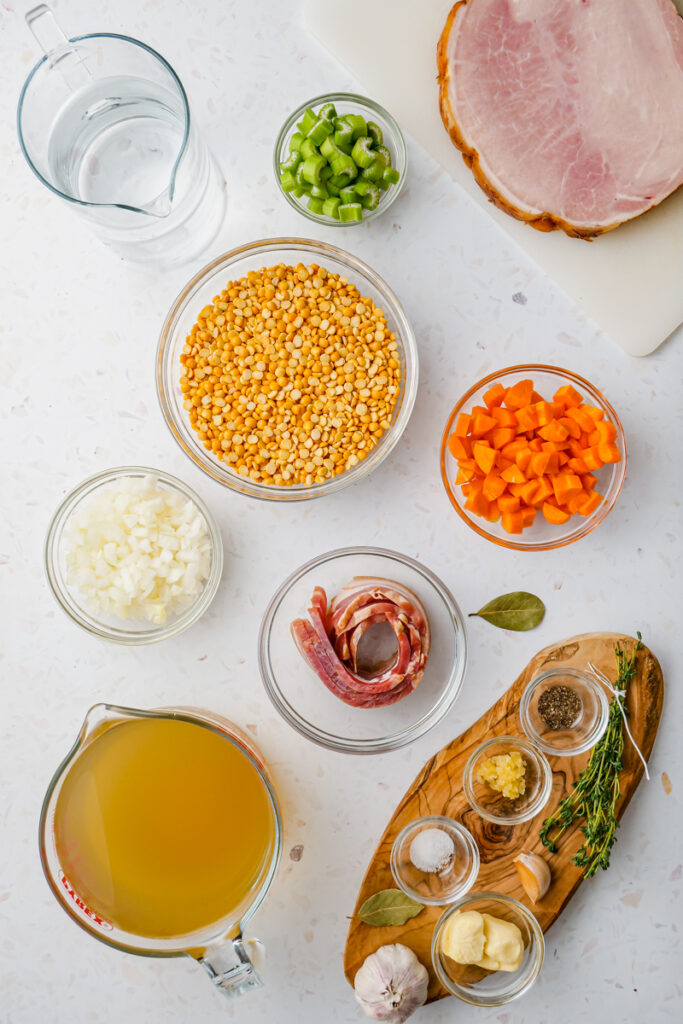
(61,516)
(591,684)
(439,821)
(609,499)
(404,335)
(535,806)
(381,744)
(362,101)
(524,912)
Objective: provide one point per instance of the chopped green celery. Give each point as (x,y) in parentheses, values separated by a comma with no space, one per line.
(308,149)
(326,173)
(329,148)
(312,168)
(349,194)
(292,162)
(331,207)
(375,133)
(357,124)
(344,165)
(300,180)
(308,120)
(375,171)
(339,181)
(390,176)
(295,142)
(299,191)
(320,130)
(384,153)
(288,181)
(349,212)
(315,205)
(343,137)
(319,191)
(328,111)
(334,190)
(368,192)
(362,153)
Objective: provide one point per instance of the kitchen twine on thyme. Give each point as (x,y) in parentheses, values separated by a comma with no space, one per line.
(619,696)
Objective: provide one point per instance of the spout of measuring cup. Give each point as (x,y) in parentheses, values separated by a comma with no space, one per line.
(232,965)
(159,207)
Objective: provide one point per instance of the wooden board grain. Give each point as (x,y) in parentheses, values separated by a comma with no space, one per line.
(438,790)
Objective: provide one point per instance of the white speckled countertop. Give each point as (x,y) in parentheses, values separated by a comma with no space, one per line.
(78,333)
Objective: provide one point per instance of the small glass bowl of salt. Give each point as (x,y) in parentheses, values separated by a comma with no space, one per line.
(434,860)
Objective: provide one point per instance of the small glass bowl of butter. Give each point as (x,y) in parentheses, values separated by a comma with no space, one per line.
(507,780)
(487,949)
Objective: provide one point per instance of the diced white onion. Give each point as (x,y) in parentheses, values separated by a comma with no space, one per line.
(137,550)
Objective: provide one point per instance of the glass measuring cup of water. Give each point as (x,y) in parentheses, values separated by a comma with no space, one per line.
(160,834)
(104,122)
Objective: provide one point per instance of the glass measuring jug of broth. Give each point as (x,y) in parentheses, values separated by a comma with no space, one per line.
(160,834)
(105,124)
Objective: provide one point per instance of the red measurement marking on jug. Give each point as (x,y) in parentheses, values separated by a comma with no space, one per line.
(90,914)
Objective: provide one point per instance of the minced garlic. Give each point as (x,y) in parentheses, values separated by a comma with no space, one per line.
(506,773)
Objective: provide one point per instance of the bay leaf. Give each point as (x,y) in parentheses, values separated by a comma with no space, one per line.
(389,907)
(518,610)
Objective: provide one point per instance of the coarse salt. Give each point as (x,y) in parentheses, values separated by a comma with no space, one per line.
(431,850)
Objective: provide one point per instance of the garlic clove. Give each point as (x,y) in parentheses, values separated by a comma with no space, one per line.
(534,874)
(391,984)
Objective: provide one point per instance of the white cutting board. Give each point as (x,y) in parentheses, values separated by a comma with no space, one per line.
(629,281)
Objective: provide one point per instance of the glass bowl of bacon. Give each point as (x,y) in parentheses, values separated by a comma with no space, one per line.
(533,457)
(362,650)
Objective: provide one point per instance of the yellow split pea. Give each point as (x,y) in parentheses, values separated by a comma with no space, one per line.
(290,376)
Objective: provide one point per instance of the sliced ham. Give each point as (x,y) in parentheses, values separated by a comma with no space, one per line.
(330,638)
(569,112)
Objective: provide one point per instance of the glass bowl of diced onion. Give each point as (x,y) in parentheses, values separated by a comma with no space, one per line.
(541,535)
(133,555)
(344,103)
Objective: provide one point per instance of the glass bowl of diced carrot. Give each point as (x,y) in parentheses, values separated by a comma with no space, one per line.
(533,457)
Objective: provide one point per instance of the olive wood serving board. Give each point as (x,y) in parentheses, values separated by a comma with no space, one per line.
(438,790)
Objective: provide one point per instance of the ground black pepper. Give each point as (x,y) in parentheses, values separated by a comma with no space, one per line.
(559,707)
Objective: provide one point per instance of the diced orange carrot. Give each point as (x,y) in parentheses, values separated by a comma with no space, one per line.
(519,394)
(479,410)
(528,516)
(605,430)
(494,396)
(539,463)
(508,503)
(535,397)
(516,489)
(477,503)
(504,417)
(571,426)
(590,504)
(527,418)
(554,431)
(513,475)
(609,452)
(544,412)
(510,450)
(568,396)
(459,447)
(512,522)
(589,481)
(554,515)
(493,487)
(528,491)
(503,463)
(523,458)
(462,427)
(501,436)
(493,514)
(573,505)
(481,424)
(464,475)
(594,413)
(566,486)
(591,458)
(578,466)
(544,489)
(536,445)
(581,417)
(484,456)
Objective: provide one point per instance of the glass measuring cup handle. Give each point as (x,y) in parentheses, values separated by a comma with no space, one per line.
(59,50)
(232,968)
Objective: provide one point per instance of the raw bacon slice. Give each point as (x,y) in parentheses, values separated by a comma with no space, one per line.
(568,112)
(329,641)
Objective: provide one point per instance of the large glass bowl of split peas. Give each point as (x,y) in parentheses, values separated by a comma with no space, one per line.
(287,369)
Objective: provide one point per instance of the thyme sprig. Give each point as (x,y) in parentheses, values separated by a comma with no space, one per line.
(596,791)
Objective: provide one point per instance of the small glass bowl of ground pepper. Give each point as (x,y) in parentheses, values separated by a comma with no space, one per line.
(564,711)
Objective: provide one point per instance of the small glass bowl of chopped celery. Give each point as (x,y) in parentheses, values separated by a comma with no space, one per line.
(340,159)
(138,537)
(507,780)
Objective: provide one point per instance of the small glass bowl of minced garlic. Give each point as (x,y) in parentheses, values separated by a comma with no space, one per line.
(507,780)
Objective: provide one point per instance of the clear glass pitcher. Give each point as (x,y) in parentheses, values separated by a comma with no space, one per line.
(160,834)
(104,122)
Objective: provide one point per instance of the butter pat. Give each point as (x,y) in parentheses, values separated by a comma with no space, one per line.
(483,940)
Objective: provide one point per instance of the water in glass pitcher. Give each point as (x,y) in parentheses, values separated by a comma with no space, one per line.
(117,141)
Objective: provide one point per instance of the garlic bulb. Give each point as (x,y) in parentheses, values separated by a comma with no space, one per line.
(534,874)
(391,984)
